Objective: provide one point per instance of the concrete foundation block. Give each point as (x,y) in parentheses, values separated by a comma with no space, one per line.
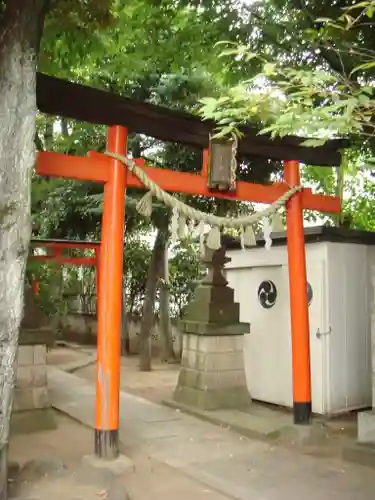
(214,344)
(31,408)
(190,342)
(25,355)
(106,475)
(25,377)
(223,361)
(40,375)
(230,344)
(23,399)
(363,451)
(212,361)
(40,355)
(212,375)
(40,397)
(212,380)
(116,467)
(210,400)
(188,358)
(366,427)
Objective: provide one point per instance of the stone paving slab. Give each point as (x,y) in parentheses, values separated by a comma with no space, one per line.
(360,453)
(277,475)
(74,366)
(257,422)
(234,465)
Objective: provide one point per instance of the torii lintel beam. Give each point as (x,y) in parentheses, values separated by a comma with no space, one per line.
(95,167)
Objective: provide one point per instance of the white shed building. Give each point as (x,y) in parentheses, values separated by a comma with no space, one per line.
(339,267)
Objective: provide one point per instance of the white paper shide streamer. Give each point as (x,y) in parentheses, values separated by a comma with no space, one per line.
(181,213)
(267,233)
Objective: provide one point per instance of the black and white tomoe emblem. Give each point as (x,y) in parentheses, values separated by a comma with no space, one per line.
(267,294)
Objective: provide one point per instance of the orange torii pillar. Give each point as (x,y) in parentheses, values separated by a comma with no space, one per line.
(35,285)
(109,301)
(299,312)
(97,269)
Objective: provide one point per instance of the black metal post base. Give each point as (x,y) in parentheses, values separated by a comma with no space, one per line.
(107,444)
(302,413)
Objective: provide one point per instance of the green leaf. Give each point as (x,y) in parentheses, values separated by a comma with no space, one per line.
(229,52)
(362,67)
(359,5)
(269,69)
(225,42)
(363,99)
(314,143)
(269,129)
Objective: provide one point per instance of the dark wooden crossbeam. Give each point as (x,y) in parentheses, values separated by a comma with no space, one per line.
(75,101)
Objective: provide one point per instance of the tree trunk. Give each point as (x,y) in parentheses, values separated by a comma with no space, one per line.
(125,343)
(166,341)
(64,127)
(20,28)
(154,269)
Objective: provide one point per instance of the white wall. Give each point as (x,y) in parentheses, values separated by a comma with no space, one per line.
(349,303)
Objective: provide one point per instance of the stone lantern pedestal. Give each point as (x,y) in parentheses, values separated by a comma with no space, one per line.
(32,409)
(212,375)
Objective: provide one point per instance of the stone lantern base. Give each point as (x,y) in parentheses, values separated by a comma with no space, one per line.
(212,376)
(212,372)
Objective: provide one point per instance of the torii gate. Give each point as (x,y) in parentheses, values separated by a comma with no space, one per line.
(56,254)
(115,177)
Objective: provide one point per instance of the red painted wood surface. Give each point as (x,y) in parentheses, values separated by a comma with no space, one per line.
(96,167)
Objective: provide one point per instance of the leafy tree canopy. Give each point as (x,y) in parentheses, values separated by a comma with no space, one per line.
(313,76)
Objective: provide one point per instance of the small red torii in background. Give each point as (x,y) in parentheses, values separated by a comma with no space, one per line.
(56,254)
(116,178)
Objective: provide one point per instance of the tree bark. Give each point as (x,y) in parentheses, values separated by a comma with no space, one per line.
(154,269)
(166,340)
(125,341)
(21,25)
